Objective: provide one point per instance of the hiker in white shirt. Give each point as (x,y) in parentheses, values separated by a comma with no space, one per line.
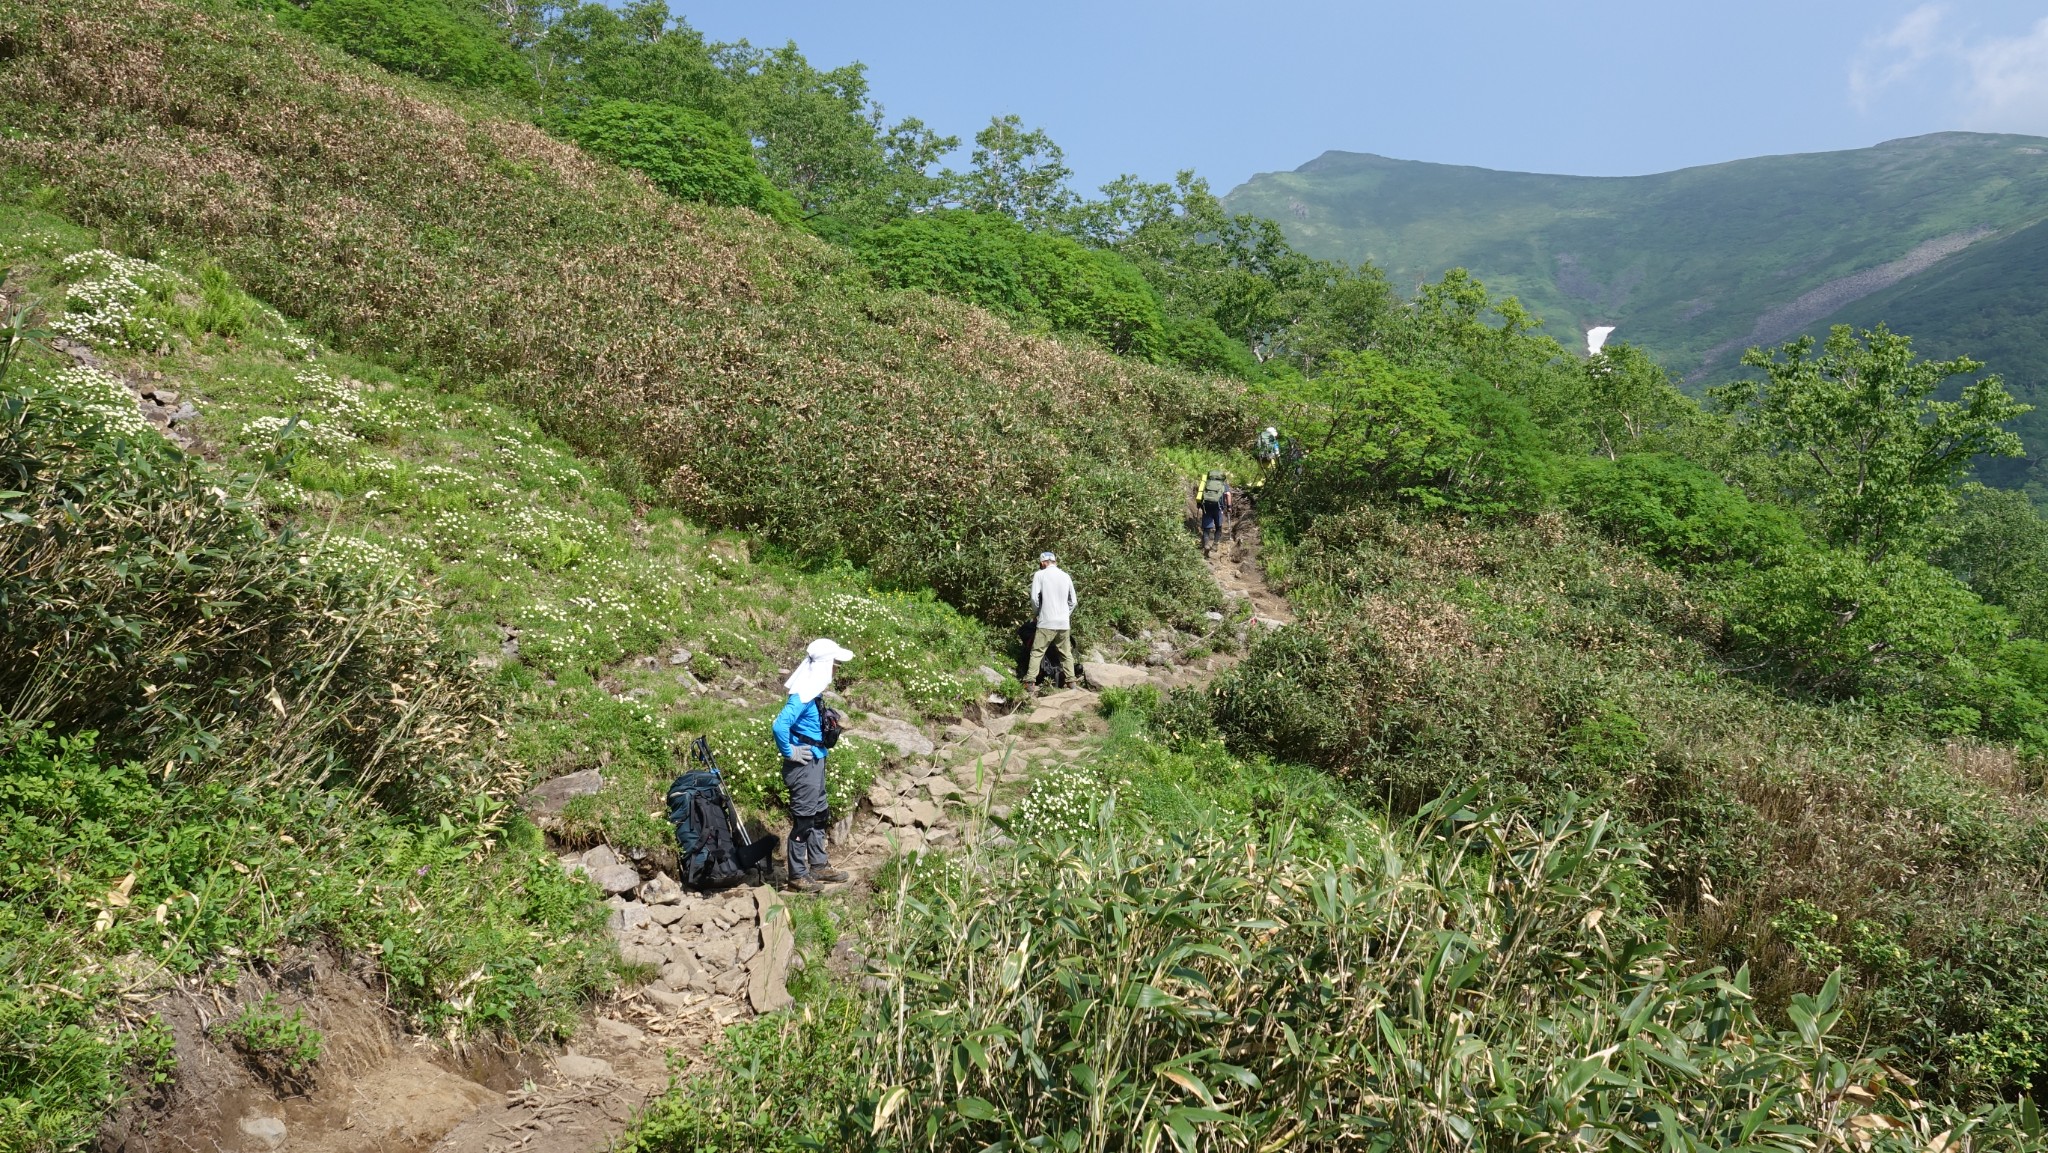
(1052,594)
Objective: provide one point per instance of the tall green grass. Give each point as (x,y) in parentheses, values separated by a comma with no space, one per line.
(1473,979)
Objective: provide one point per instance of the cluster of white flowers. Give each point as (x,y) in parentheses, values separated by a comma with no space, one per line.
(326,439)
(103,398)
(305,347)
(356,555)
(1061,803)
(452,533)
(552,537)
(403,411)
(339,401)
(881,636)
(100,305)
(441,474)
(281,493)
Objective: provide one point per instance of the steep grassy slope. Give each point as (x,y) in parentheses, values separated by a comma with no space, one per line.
(375,520)
(743,373)
(224,740)
(1691,265)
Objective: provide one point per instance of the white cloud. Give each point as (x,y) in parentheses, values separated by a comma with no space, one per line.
(1996,83)
(1888,59)
(2008,82)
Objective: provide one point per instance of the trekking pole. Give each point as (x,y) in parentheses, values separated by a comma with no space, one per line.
(702,751)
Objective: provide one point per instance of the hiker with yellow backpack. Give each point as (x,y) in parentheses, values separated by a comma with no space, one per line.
(1213,495)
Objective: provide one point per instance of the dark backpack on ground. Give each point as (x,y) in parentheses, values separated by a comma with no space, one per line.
(709,853)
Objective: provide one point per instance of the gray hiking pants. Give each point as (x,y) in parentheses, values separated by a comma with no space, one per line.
(809,816)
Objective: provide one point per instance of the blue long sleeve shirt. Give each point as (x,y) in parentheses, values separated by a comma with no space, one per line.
(799,720)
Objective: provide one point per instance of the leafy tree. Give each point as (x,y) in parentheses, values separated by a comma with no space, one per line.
(1098,293)
(818,134)
(591,52)
(1370,428)
(1851,624)
(1998,543)
(432,39)
(1629,399)
(1194,342)
(685,153)
(1864,442)
(1507,466)
(821,138)
(1355,310)
(1017,173)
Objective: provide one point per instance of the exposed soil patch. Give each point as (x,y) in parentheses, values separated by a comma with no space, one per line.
(375,1087)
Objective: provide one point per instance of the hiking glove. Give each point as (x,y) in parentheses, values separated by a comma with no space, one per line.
(803,754)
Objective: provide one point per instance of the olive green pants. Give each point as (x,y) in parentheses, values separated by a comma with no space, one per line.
(1061,640)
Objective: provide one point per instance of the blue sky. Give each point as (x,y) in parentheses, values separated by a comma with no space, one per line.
(1574,86)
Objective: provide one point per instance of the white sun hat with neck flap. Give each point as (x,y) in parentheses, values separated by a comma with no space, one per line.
(814,675)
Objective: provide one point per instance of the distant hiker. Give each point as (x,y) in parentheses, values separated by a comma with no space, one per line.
(1052,594)
(1267,449)
(805,731)
(1213,494)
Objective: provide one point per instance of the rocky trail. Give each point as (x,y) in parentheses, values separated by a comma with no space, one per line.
(709,959)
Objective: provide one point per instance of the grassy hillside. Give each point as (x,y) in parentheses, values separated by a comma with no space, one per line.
(746,374)
(1589,799)
(444,605)
(1989,303)
(1690,265)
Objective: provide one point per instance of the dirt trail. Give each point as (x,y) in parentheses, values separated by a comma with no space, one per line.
(719,957)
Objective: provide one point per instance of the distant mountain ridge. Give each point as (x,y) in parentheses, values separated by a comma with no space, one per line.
(1697,264)
(1691,263)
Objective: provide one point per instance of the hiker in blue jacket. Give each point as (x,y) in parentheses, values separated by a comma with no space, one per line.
(800,735)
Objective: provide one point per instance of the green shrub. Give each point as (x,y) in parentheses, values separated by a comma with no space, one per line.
(993,261)
(279,1044)
(975,257)
(1508,469)
(432,39)
(682,151)
(1386,431)
(1851,625)
(1198,343)
(1974,1004)
(1678,512)
(58,1070)
(1291,698)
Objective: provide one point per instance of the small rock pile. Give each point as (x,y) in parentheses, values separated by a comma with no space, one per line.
(719,953)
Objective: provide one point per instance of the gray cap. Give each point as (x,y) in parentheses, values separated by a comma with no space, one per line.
(1046,556)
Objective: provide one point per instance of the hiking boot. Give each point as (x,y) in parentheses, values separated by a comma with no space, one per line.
(831,876)
(802,885)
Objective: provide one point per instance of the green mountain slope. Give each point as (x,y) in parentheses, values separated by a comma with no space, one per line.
(1691,265)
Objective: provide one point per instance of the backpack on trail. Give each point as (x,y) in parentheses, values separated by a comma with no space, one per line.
(1214,488)
(712,847)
